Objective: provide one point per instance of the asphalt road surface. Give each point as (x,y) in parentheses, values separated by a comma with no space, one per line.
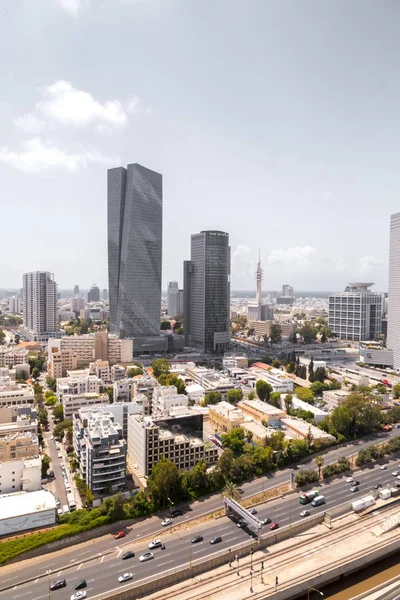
(101,573)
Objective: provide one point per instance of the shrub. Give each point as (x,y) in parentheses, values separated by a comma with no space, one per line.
(305,477)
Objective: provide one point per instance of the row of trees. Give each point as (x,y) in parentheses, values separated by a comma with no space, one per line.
(355,416)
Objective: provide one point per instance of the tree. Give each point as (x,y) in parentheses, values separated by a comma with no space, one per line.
(234,440)
(35,373)
(320,374)
(323,340)
(46,460)
(304,394)
(276,440)
(225,462)
(160,365)
(165,325)
(43,417)
(51,383)
(311,370)
(251,395)
(231,491)
(172,379)
(164,482)
(250,332)
(317,387)
(275,333)
(134,371)
(396,390)
(62,428)
(58,413)
(2,337)
(308,332)
(304,477)
(288,402)
(341,420)
(275,399)
(263,390)
(109,390)
(212,398)
(51,401)
(234,396)
(179,331)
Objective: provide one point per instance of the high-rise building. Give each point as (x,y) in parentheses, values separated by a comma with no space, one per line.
(254,309)
(393,326)
(76,290)
(94,294)
(287,291)
(134,251)
(39,306)
(207,292)
(174,295)
(14,305)
(105,294)
(356,313)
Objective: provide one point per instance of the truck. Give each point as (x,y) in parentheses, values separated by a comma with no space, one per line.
(363,503)
(308,497)
(318,500)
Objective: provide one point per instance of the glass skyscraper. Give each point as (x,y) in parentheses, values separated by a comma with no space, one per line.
(134,251)
(206,304)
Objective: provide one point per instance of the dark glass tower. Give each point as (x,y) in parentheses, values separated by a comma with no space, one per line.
(134,251)
(207,292)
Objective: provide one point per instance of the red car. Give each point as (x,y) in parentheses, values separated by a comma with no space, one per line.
(274,525)
(119,535)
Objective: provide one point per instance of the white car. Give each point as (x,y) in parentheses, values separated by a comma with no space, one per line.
(349,480)
(79,595)
(155,544)
(305,513)
(166,522)
(383,467)
(125,577)
(146,556)
(59,455)
(396,473)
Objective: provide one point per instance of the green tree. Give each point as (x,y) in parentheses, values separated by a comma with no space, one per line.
(251,395)
(109,390)
(51,401)
(275,399)
(179,331)
(51,383)
(308,332)
(317,387)
(134,371)
(341,420)
(62,428)
(304,394)
(319,461)
(263,390)
(323,340)
(275,333)
(58,413)
(43,417)
(304,477)
(197,478)
(163,483)
(276,440)
(250,332)
(234,396)
(396,390)
(35,373)
(288,402)
(320,374)
(160,365)
(225,462)
(231,490)
(234,440)
(212,398)
(46,460)
(311,370)
(276,363)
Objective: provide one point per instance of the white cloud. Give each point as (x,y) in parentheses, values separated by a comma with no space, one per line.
(367,263)
(73,7)
(37,155)
(133,105)
(297,256)
(29,123)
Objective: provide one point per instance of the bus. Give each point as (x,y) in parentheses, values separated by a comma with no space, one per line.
(352,371)
(71,502)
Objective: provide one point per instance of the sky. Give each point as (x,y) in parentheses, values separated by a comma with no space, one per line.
(274,120)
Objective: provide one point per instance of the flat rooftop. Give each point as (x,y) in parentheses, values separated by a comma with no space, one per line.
(262,407)
(24,503)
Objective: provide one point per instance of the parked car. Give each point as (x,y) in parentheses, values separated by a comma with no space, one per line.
(119,535)
(377,486)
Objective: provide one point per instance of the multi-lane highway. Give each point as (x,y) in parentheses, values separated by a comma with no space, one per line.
(102,572)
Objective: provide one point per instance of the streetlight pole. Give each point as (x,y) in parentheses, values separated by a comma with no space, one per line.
(251,580)
(237,558)
(251,559)
(170,517)
(315,590)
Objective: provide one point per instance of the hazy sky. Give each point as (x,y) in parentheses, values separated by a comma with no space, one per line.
(276,121)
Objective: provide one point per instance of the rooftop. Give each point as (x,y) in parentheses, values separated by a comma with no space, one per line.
(23,503)
(262,407)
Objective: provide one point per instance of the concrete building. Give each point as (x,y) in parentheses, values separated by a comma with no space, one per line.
(393,335)
(223,417)
(39,306)
(260,411)
(207,292)
(16,395)
(18,419)
(117,373)
(174,295)
(77,304)
(375,354)
(94,294)
(19,474)
(74,402)
(319,414)
(100,450)
(356,313)
(287,291)
(76,290)
(195,392)
(234,361)
(166,397)
(300,430)
(79,384)
(19,445)
(121,411)
(134,251)
(101,368)
(261,328)
(92,347)
(10,357)
(14,305)
(256,430)
(210,380)
(279,382)
(150,439)
(61,361)
(23,511)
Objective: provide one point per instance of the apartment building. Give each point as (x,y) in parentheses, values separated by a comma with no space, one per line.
(166,397)
(101,368)
(98,346)
(101,451)
(279,382)
(72,403)
(356,313)
(223,417)
(74,386)
(261,411)
(149,440)
(210,380)
(16,395)
(261,328)
(121,411)
(20,474)
(61,361)
(117,373)
(18,419)
(39,306)
(9,357)
(19,445)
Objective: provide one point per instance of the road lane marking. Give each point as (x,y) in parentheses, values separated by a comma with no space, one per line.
(36,580)
(165,563)
(102,558)
(24,594)
(59,573)
(82,553)
(90,580)
(119,553)
(39,597)
(79,566)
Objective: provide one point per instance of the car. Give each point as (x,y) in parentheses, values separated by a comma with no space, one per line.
(354,488)
(81,584)
(166,522)
(119,535)
(155,544)
(395,473)
(383,467)
(241,523)
(58,502)
(59,455)
(146,556)
(266,521)
(51,474)
(274,526)
(377,486)
(305,513)
(78,595)
(216,540)
(125,577)
(128,554)
(56,585)
(349,480)
(197,539)
(176,513)
(253,511)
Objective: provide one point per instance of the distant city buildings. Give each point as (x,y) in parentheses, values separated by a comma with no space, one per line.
(174,299)
(77,304)
(14,305)
(105,295)
(393,326)
(287,291)
(76,290)
(207,292)
(356,313)
(39,306)
(94,294)
(134,251)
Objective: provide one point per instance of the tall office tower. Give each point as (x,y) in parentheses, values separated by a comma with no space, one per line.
(287,291)
(393,326)
(39,306)
(94,294)
(173,299)
(254,309)
(134,251)
(356,313)
(105,294)
(207,292)
(76,290)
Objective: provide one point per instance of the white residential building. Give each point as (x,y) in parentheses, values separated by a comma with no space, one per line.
(393,335)
(16,395)
(166,397)
(72,403)
(174,295)
(117,373)
(14,305)
(39,306)
(11,356)
(101,368)
(278,380)
(75,386)
(21,474)
(356,313)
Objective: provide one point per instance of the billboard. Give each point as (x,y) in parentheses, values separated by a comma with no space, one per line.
(34,520)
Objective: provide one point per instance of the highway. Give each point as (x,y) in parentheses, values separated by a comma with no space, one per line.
(102,572)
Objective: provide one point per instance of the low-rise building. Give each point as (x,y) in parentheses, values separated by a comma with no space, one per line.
(261,328)
(61,361)
(16,395)
(18,419)
(22,511)
(319,414)
(234,361)
(101,368)
(223,417)
(19,445)
(278,380)
(300,429)
(73,402)
(332,398)
(255,430)
(165,397)
(76,386)
(97,346)
(117,373)
(195,392)
(20,474)
(375,354)
(14,355)
(100,450)
(261,411)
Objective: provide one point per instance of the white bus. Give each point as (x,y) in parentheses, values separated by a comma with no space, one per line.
(71,502)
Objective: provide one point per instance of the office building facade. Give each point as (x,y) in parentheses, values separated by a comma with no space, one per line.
(174,295)
(94,294)
(39,306)
(207,292)
(393,326)
(134,251)
(356,313)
